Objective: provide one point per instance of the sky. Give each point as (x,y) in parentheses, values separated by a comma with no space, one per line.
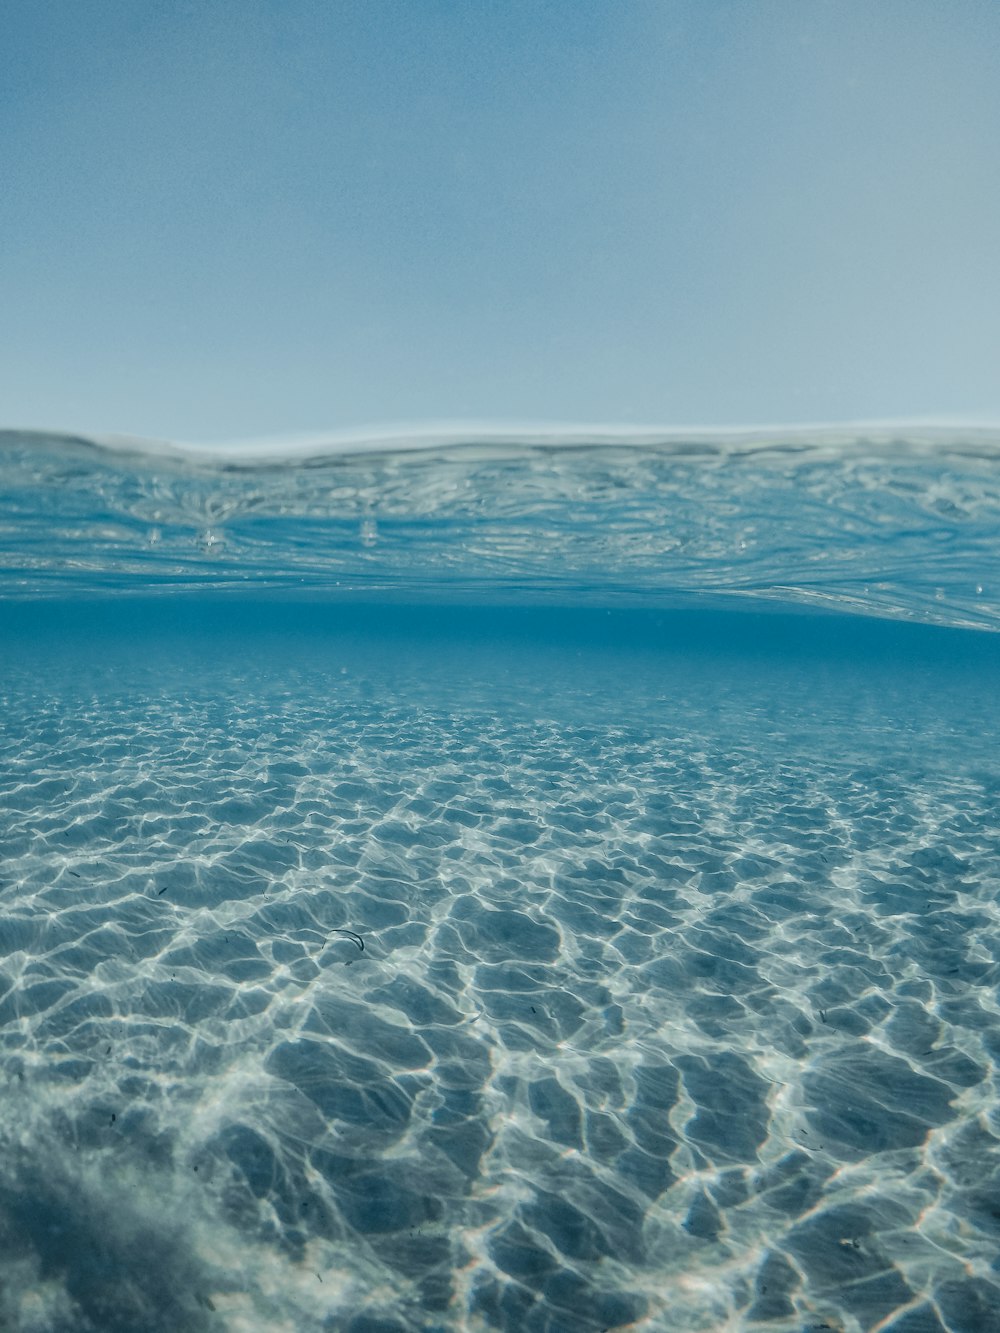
(236,218)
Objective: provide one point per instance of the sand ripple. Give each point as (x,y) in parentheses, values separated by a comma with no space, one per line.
(674,1015)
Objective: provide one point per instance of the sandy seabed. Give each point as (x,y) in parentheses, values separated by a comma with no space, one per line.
(676,1007)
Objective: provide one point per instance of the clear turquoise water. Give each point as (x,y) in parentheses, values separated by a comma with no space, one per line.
(677,1007)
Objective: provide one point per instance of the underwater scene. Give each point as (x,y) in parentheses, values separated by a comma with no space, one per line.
(501,881)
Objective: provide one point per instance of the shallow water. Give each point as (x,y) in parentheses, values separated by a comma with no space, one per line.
(677,1003)
(399,930)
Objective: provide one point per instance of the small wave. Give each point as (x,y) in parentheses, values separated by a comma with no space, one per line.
(896,521)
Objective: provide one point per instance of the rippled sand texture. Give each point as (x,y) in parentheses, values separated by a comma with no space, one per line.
(679,1015)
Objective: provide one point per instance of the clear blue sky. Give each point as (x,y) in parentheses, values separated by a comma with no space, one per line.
(242,217)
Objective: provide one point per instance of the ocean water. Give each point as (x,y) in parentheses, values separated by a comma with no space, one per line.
(501,883)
